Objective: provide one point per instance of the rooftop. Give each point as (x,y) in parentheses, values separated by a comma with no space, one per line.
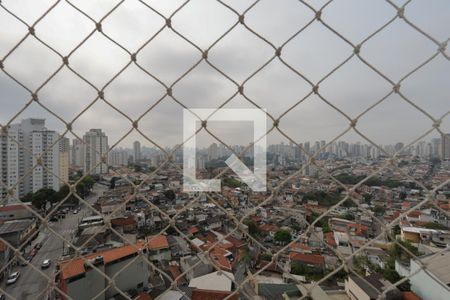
(158,242)
(15,226)
(217,281)
(72,268)
(439,266)
(313,259)
(10,207)
(212,295)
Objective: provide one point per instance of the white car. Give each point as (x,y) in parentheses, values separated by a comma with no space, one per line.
(46,263)
(12,278)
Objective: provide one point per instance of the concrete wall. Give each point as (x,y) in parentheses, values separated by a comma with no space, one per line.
(411,236)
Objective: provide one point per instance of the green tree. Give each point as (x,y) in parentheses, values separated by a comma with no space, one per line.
(89,182)
(266,257)
(253,229)
(41,197)
(396,229)
(432,225)
(62,193)
(311,273)
(324,198)
(347,216)
(231,182)
(170,194)
(367,198)
(28,197)
(283,236)
(379,210)
(325,227)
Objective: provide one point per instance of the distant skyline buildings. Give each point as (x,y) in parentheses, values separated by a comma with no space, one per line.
(284,152)
(87,153)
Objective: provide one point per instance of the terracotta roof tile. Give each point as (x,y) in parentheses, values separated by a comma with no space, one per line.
(414,214)
(76,267)
(198,294)
(410,296)
(218,257)
(13,207)
(313,259)
(193,230)
(236,242)
(269,227)
(175,272)
(158,242)
(299,247)
(329,239)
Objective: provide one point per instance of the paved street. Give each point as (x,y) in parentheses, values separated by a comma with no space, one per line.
(31,284)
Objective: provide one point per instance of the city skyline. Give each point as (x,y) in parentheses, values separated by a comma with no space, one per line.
(135,147)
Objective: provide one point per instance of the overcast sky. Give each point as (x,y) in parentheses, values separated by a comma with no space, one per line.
(395,51)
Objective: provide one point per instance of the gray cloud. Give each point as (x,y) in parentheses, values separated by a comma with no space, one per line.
(395,51)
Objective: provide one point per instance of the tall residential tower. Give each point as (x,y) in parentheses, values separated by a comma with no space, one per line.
(95,145)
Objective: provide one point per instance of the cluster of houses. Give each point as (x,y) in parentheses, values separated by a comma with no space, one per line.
(158,242)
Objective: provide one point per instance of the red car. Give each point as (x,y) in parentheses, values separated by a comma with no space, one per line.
(33,252)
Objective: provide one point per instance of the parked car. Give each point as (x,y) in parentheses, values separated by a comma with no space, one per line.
(46,263)
(38,245)
(33,252)
(27,261)
(75,211)
(12,278)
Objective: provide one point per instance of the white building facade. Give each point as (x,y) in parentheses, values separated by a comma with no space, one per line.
(95,145)
(21,146)
(77,153)
(137,151)
(45,146)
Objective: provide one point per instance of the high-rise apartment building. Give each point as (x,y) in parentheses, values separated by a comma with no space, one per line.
(446,146)
(29,158)
(118,158)
(64,160)
(95,146)
(436,147)
(137,151)
(11,160)
(44,145)
(213,152)
(77,153)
